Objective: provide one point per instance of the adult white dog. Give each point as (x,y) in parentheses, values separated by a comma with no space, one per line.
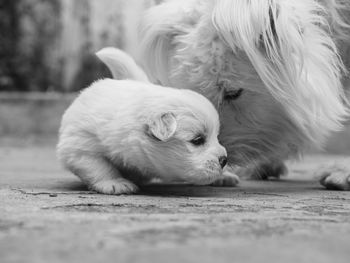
(271,67)
(118,134)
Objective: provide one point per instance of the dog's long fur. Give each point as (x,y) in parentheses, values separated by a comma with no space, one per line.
(271,67)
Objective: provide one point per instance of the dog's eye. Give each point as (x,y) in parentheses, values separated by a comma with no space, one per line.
(199,140)
(233,95)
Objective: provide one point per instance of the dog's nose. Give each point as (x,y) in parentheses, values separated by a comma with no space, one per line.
(223,161)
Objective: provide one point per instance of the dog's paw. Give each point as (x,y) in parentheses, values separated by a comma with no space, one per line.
(115,187)
(229,179)
(335,178)
(264,171)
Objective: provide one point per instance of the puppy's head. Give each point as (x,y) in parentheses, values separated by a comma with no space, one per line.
(271,67)
(182,140)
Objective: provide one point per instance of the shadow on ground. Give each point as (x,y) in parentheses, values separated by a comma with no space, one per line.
(48,215)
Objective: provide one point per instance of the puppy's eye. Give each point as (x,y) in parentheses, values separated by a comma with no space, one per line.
(233,95)
(198,140)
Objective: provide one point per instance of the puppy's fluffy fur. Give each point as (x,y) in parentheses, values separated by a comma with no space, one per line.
(271,67)
(119,133)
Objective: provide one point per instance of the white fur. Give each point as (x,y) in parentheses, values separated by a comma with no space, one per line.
(301,68)
(281,53)
(120,133)
(121,65)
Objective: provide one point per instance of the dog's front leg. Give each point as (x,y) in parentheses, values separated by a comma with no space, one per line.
(335,177)
(261,171)
(100,175)
(264,170)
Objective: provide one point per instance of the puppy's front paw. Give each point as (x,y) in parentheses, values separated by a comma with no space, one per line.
(229,179)
(115,187)
(335,178)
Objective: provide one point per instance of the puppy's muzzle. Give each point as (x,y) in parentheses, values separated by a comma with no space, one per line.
(223,161)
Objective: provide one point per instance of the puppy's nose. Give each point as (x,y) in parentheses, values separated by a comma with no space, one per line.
(223,161)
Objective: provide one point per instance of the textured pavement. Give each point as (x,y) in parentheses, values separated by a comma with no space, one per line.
(47,215)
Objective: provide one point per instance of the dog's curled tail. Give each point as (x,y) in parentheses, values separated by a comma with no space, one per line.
(121,65)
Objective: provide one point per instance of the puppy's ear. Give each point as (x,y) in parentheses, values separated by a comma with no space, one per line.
(159,26)
(163,126)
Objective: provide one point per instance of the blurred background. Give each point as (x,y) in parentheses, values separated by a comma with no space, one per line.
(50,45)
(47,53)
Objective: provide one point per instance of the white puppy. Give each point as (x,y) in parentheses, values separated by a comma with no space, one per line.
(271,67)
(119,133)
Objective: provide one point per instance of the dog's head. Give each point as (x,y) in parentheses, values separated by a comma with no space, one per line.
(271,68)
(182,140)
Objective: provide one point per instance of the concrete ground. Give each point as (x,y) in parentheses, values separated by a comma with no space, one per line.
(47,215)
